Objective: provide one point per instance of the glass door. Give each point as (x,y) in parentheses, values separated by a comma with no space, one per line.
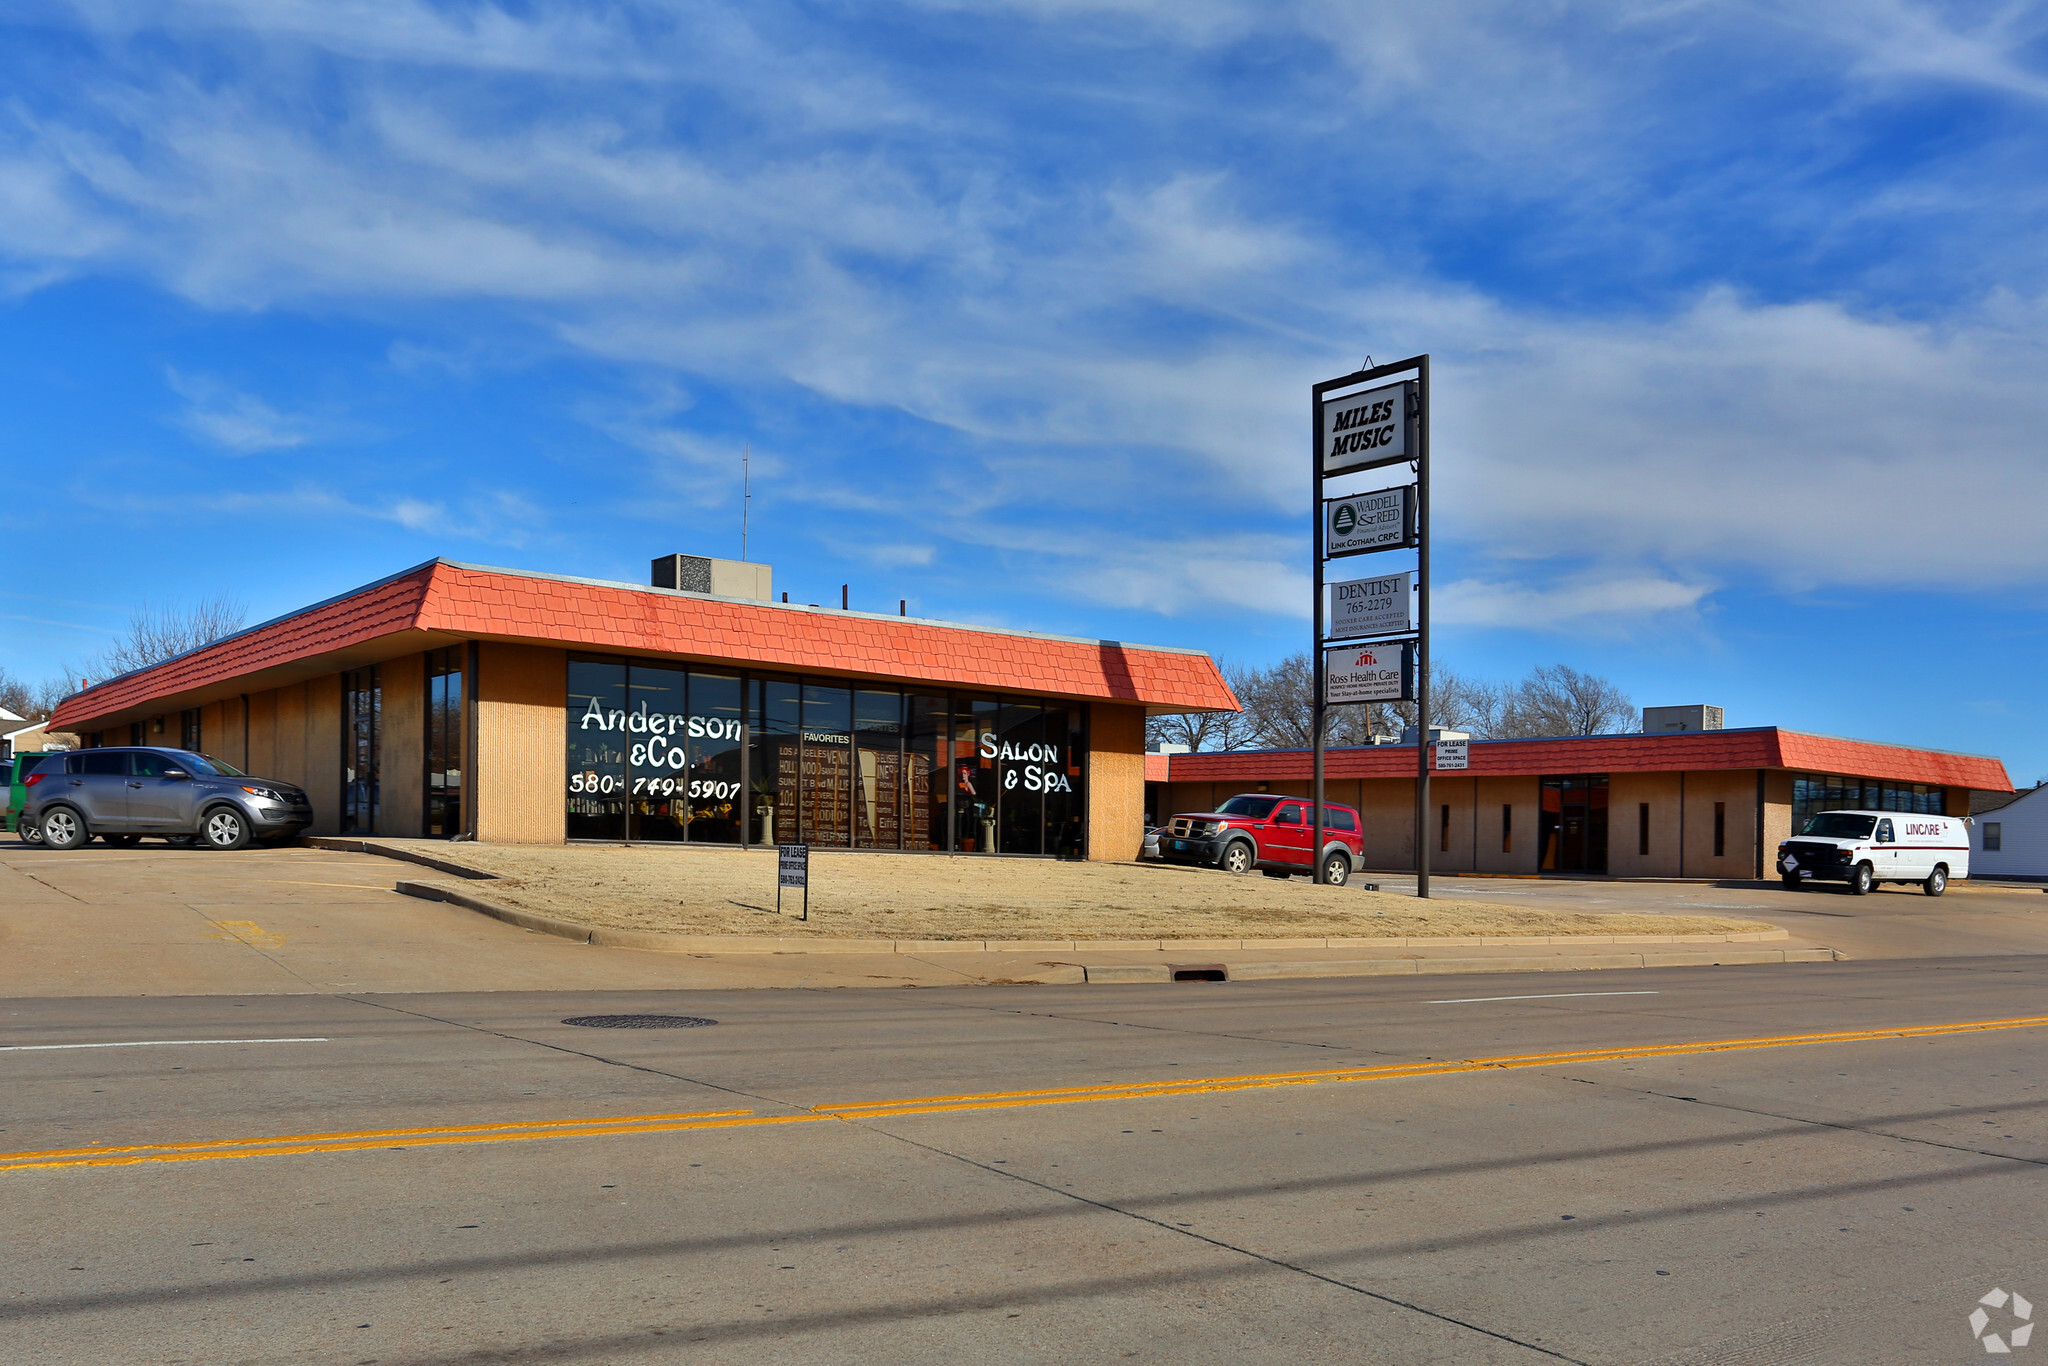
(1571,827)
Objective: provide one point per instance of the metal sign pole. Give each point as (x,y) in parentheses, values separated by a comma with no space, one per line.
(1422,628)
(1316,709)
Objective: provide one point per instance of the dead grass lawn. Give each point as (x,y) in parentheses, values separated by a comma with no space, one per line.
(929,896)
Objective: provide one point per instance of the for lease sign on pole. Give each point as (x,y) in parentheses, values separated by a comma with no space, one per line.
(1369,673)
(1360,431)
(1371,607)
(1381,520)
(793,869)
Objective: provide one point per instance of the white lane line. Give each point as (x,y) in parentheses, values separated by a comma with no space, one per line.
(140,1043)
(1547,996)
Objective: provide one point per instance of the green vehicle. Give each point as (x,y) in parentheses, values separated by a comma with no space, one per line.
(14,772)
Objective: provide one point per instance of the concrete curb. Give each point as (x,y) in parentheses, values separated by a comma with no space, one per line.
(665,941)
(386,851)
(1410,967)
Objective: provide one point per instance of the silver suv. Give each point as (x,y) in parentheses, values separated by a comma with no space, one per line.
(121,795)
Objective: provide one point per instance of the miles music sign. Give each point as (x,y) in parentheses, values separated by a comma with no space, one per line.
(1360,431)
(1369,673)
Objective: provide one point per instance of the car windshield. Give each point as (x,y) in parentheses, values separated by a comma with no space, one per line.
(205,765)
(1253,808)
(1839,825)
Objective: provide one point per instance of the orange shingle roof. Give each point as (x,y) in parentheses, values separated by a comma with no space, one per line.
(1763,747)
(469,601)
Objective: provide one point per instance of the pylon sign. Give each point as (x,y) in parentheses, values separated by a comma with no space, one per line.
(1376,416)
(1376,427)
(1380,672)
(1381,520)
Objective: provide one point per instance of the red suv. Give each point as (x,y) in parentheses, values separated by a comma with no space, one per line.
(1272,834)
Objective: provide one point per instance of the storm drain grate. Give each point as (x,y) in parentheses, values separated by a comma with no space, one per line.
(638,1021)
(1198,972)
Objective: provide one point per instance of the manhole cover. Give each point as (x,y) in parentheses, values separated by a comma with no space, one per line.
(638,1021)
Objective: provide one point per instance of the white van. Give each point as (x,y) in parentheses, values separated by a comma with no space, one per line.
(1864,848)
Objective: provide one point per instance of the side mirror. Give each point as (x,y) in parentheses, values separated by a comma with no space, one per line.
(176,773)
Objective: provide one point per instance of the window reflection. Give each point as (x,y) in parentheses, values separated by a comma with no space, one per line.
(663,753)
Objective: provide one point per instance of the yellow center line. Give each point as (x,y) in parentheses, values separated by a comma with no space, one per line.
(359,1140)
(341,1134)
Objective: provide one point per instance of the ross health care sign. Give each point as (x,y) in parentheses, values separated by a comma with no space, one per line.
(1369,673)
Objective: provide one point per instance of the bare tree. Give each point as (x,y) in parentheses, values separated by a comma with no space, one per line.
(1457,703)
(1556,699)
(1281,703)
(1209,731)
(159,632)
(32,701)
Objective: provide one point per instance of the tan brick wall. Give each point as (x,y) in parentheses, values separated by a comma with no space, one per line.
(1777,816)
(402,747)
(1116,782)
(322,752)
(263,735)
(1626,794)
(1737,788)
(520,764)
(1520,795)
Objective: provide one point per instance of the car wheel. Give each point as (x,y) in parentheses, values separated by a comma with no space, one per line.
(1937,882)
(1278,872)
(181,841)
(28,831)
(1861,880)
(224,828)
(64,828)
(1238,858)
(1336,870)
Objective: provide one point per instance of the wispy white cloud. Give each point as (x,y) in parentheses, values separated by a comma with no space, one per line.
(1124,337)
(1547,602)
(237,422)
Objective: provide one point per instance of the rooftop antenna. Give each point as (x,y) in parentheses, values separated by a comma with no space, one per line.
(746,493)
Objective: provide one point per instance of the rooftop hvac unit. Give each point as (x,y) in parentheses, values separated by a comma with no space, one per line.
(1661,720)
(720,578)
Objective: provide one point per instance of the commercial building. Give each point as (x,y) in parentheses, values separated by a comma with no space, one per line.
(2009,838)
(453,699)
(1681,803)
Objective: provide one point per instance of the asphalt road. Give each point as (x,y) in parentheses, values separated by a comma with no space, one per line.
(840,1175)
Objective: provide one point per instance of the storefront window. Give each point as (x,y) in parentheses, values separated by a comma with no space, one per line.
(445,734)
(974,776)
(1816,792)
(924,774)
(1019,750)
(662,753)
(362,711)
(598,784)
(658,751)
(828,765)
(717,751)
(1062,773)
(878,769)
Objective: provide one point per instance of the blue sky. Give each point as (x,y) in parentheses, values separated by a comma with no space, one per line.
(1738,312)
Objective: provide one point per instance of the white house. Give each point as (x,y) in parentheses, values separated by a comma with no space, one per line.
(2011,840)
